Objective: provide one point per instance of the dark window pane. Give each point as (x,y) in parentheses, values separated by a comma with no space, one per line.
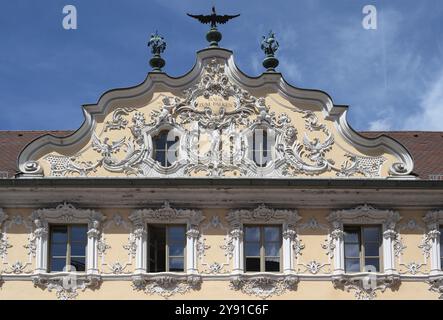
(176,249)
(351,235)
(371,234)
(157,248)
(78,249)
(176,233)
(272,264)
(176,264)
(252,234)
(372,249)
(165,152)
(260,151)
(272,234)
(352,265)
(352,250)
(372,263)
(57,264)
(59,234)
(252,249)
(78,264)
(78,234)
(252,264)
(272,249)
(58,249)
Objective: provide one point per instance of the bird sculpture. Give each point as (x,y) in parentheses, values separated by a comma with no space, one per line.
(213,18)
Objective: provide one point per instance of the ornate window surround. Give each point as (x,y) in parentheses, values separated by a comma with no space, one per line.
(166,283)
(362,215)
(65,213)
(148,136)
(264,284)
(433,220)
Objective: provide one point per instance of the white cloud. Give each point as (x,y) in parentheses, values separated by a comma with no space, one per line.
(430,114)
(380,125)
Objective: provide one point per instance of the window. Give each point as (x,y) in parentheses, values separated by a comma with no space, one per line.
(166,248)
(261,151)
(262,245)
(165,151)
(441,248)
(362,248)
(68,247)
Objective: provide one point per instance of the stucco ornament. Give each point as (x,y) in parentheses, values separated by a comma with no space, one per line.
(68,286)
(218,113)
(264,286)
(365,287)
(167,285)
(365,284)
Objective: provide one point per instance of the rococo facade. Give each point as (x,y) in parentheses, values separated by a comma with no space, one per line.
(216,185)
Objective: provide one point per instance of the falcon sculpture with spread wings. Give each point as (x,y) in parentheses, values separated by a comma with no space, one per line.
(214,19)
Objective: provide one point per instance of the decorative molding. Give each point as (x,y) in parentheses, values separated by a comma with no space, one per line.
(214,267)
(215,75)
(313,266)
(67,285)
(116,267)
(166,285)
(431,240)
(436,285)
(16,267)
(366,285)
(68,214)
(362,215)
(264,285)
(291,245)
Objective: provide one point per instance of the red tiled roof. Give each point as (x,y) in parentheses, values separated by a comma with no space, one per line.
(12,143)
(425,147)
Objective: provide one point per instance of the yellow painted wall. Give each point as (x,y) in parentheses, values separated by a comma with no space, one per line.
(116,237)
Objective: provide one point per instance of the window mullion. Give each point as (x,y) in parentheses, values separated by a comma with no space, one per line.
(262,250)
(68,248)
(167,248)
(362,249)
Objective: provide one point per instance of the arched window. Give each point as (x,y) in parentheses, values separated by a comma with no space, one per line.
(165,150)
(261,147)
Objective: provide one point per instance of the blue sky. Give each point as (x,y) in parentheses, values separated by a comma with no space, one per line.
(392,77)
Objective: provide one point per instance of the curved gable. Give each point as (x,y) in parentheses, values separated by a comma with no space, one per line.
(214,111)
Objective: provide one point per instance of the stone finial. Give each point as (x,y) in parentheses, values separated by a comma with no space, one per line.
(158,46)
(270,45)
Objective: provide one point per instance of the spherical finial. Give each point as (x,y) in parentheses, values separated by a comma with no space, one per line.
(158,46)
(214,37)
(269,46)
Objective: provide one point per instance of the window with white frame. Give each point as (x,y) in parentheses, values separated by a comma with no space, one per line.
(166,248)
(262,246)
(67,247)
(362,239)
(434,223)
(363,248)
(166,239)
(66,236)
(263,239)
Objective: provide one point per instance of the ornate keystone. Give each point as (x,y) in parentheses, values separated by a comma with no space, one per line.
(158,46)
(270,45)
